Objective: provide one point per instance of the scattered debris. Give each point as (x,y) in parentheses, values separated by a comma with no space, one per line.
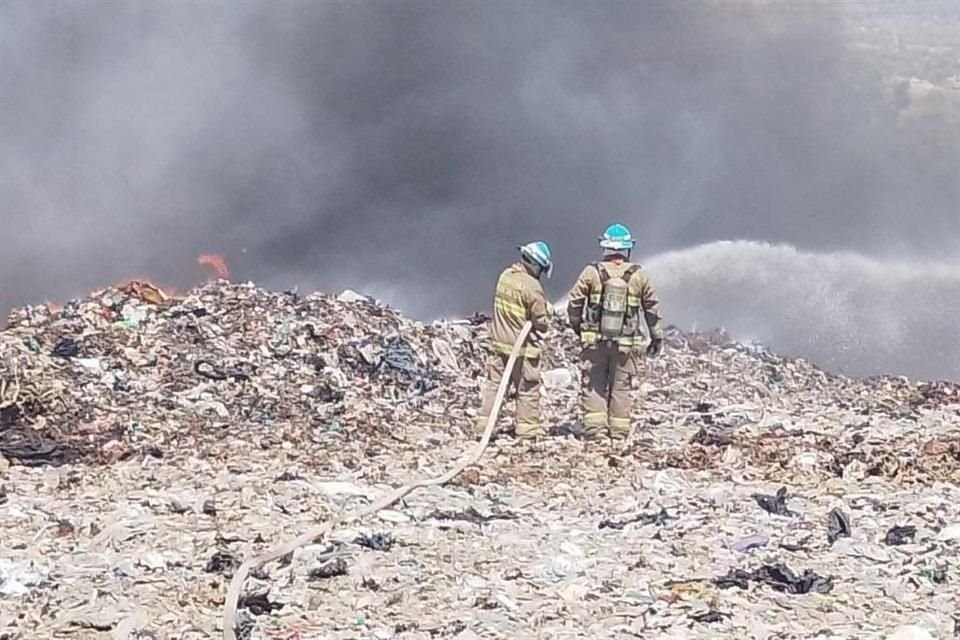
(377,541)
(948,533)
(65,348)
(660,518)
(710,617)
(266,411)
(223,563)
(19,578)
(754,541)
(937,576)
(899,535)
(909,632)
(778,576)
(838,526)
(448,630)
(470,514)
(259,604)
(712,437)
(329,569)
(777,505)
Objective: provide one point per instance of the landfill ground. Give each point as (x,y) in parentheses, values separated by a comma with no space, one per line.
(150,445)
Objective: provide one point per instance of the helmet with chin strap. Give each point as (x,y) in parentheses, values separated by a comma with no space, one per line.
(537,254)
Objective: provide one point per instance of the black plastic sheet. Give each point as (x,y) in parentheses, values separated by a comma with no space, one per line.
(777,505)
(777,576)
(838,526)
(900,535)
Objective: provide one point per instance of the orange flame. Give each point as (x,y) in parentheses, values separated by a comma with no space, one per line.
(147,291)
(216,263)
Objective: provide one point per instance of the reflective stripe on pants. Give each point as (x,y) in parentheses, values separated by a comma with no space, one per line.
(525,378)
(620,427)
(605,388)
(528,429)
(595,419)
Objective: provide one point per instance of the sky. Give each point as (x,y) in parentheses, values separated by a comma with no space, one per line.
(405,149)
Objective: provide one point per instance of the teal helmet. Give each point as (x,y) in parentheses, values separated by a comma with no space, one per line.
(617,237)
(538,254)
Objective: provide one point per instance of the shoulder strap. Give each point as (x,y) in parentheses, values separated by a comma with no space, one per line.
(604,274)
(630,271)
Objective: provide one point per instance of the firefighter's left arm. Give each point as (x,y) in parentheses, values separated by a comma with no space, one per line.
(650,305)
(536,303)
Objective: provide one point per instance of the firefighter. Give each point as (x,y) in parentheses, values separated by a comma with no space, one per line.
(604,307)
(519,297)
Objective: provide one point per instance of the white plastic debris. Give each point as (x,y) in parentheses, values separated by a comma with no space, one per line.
(562,566)
(910,632)
(332,488)
(133,315)
(392,516)
(558,378)
(152,561)
(444,354)
(506,602)
(90,364)
(949,533)
(348,295)
(18,578)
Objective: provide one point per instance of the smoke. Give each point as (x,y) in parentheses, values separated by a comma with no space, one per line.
(406,148)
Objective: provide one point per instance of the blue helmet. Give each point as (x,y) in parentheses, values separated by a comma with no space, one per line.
(538,253)
(617,236)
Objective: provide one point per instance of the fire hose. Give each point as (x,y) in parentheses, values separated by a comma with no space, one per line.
(281,550)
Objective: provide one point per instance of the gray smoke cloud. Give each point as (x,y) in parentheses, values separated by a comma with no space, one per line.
(405,148)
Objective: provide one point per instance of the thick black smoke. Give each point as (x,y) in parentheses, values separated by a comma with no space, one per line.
(405,148)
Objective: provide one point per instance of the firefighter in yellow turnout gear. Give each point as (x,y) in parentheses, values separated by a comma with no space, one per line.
(519,297)
(604,307)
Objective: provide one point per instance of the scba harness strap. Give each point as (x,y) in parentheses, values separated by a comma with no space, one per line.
(605,275)
(591,335)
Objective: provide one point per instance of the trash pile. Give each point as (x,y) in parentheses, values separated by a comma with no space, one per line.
(90,379)
(149,444)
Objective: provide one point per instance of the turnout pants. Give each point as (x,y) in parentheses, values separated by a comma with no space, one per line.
(525,378)
(605,389)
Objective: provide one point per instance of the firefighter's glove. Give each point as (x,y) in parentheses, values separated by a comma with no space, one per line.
(655,348)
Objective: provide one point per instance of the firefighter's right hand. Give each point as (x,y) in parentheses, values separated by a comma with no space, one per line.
(655,348)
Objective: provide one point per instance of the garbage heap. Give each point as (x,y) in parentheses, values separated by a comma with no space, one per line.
(117,374)
(148,445)
(128,371)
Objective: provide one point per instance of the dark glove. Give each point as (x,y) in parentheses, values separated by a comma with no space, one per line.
(655,348)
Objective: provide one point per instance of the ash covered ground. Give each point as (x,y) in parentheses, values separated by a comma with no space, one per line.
(151,444)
